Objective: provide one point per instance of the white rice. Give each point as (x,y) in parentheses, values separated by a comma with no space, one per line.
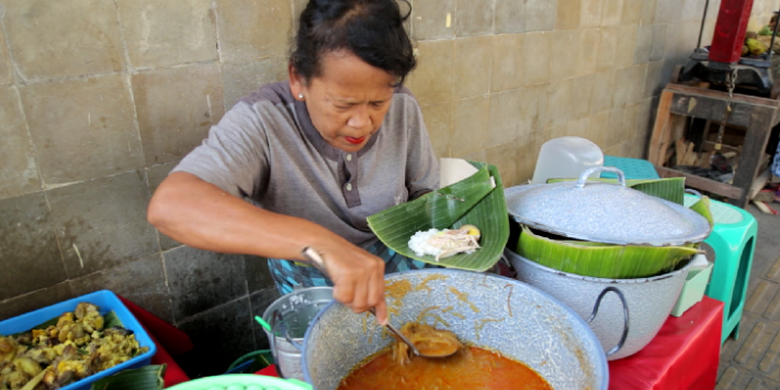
(419,243)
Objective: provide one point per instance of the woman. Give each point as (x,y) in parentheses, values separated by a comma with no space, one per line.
(315,156)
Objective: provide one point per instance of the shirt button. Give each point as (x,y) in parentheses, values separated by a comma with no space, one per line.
(349,157)
(349,186)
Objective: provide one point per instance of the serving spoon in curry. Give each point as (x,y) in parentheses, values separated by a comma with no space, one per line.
(427,350)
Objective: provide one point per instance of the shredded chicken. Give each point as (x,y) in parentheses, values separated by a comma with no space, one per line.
(452,242)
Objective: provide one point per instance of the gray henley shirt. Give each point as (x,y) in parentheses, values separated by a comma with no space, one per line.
(267,150)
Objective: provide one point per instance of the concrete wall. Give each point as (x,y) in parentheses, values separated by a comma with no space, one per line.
(99,99)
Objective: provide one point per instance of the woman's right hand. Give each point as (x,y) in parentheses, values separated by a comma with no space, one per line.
(358,278)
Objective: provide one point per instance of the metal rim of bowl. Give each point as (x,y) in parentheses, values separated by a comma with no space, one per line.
(268,312)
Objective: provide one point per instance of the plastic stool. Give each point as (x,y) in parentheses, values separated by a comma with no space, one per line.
(733,239)
(633,168)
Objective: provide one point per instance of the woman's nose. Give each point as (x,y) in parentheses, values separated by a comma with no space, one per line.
(360,118)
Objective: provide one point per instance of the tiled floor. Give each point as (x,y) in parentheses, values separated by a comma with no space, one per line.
(753,360)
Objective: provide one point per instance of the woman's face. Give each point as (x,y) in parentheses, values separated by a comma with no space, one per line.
(348,101)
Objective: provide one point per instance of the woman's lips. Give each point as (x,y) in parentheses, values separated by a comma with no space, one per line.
(355,141)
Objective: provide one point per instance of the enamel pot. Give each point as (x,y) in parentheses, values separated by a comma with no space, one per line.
(649,300)
(485,310)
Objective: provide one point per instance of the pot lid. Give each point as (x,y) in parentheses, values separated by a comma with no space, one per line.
(604,212)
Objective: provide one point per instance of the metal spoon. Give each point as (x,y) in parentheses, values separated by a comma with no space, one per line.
(439,353)
(398,334)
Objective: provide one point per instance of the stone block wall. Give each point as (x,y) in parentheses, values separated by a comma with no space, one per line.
(99,99)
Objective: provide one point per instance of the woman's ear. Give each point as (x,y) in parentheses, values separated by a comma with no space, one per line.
(297,84)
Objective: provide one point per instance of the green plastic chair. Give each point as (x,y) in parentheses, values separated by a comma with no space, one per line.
(242,382)
(733,239)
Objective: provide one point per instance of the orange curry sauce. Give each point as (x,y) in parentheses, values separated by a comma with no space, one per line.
(471,368)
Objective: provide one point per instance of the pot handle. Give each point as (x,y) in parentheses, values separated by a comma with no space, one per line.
(272,338)
(694,192)
(278,317)
(625,316)
(584,175)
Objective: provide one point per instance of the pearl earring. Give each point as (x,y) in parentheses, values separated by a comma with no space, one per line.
(300,96)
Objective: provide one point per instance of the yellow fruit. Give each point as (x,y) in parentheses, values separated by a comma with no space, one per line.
(745,50)
(755,47)
(471,230)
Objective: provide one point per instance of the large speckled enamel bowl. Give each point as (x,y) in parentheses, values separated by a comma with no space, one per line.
(649,300)
(500,314)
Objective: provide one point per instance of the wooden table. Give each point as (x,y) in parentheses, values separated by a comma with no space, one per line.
(679,102)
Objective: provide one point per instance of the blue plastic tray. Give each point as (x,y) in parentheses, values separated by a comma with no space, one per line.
(107,301)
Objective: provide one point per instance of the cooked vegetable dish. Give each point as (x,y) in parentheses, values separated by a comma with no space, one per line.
(75,348)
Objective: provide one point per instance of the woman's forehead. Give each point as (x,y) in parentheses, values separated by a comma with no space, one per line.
(344,74)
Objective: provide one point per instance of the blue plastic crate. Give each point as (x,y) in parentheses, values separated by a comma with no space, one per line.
(107,301)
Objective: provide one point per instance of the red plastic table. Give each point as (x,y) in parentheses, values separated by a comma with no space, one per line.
(684,354)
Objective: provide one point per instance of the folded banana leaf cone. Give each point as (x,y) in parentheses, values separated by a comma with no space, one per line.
(476,200)
(637,257)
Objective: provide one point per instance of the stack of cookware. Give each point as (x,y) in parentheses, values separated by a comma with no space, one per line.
(580,238)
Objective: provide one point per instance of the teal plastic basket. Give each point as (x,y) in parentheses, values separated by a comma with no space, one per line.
(252,362)
(633,168)
(242,382)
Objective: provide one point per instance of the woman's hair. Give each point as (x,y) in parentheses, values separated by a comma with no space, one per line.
(370,29)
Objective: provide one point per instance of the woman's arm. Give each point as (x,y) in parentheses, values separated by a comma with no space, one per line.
(199,214)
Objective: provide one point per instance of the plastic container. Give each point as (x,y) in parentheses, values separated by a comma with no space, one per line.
(567,157)
(107,301)
(242,382)
(289,317)
(252,362)
(693,289)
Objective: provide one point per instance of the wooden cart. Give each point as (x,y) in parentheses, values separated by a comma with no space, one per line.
(680,102)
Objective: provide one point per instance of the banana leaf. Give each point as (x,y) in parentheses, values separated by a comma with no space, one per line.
(601,260)
(473,200)
(144,378)
(671,188)
(110,320)
(703,207)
